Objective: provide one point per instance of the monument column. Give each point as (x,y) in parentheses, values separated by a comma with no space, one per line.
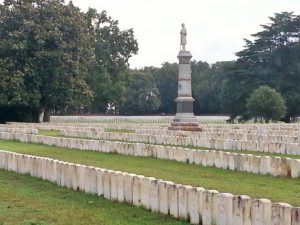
(185,118)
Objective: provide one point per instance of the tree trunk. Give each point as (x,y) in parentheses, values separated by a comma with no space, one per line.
(286,119)
(46,117)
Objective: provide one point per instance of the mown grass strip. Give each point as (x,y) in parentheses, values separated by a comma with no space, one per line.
(29,201)
(118,130)
(51,133)
(277,189)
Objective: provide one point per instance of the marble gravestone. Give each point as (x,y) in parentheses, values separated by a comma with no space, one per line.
(185,118)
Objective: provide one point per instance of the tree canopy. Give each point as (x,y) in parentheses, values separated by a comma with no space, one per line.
(266,103)
(45,53)
(56,58)
(273,59)
(141,96)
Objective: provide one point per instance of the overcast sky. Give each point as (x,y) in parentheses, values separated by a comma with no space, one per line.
(215,28)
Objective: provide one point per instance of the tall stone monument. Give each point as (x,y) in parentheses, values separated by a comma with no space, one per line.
(185,118)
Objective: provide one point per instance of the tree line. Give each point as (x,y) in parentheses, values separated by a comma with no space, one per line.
(263,83)
(56,59)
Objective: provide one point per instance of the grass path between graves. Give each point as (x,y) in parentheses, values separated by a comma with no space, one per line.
(25,200)
(54,133)
(51,133)
(277,189)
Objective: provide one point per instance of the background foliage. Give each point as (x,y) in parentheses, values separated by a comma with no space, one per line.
(57,59)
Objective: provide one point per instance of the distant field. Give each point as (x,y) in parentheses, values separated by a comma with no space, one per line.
(256,186)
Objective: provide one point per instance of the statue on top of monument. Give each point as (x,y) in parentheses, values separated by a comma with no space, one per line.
(182,38)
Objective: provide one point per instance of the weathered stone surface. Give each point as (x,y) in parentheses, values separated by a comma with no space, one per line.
(179,155)
(114,185)
(136,190)
(264,165)
(296,216)
(198,157)
(90,180)
(254,164)
(261,212)
(295,168)
(53,171)
(57,169)
(163,196)
(145,189)
(275,166)
(231,161)
(128,181)
(224,209)
(200,191)
(173,200)
(281,214)
(183,200)
(99,174)
(241,210)
(80,177)
(193,204)
(209,207)
(154,194)
(69,174)
(106,184)
(120,186)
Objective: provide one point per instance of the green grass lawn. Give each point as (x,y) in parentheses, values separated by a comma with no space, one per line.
(25,200)
(52,133)
(256,186)
(118,130)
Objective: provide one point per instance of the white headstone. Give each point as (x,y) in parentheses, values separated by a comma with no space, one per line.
(128,181)
(173,200)
(241,210)
(261,212)
(281,214)
(224,209)
(296,216)
(209,207)
(163,196)
(154,195)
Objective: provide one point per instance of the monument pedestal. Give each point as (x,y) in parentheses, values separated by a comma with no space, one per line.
(185,118)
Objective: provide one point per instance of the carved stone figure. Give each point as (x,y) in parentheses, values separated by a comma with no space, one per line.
(183,34)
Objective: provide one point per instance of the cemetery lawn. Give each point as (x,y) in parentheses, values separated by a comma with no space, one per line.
(54,133)
(277,189)
(29,201)
(51,133)
(118,130)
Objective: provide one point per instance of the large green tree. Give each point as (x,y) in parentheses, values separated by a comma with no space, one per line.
(141,96)
(266,103)
(113,48)
(166,79)
(45,53)
(273,59)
